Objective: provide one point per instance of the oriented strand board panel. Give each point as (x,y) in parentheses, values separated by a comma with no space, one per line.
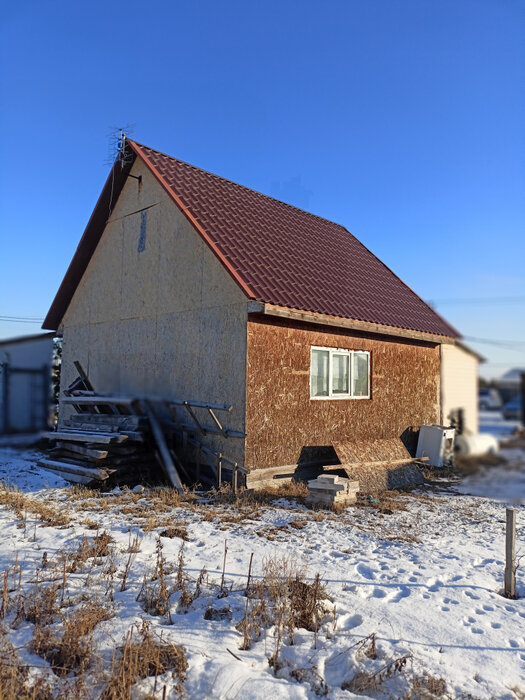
(156,312)
(284,426)
(385,450)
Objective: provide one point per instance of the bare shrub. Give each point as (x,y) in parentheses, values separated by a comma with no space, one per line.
(73,650)
(143,655)
(365,681)
(42,606)
(98,547)
(285,600)
(155,596)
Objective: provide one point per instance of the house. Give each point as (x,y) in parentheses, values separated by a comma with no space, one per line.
(25,383)
(459,387)
(187,285)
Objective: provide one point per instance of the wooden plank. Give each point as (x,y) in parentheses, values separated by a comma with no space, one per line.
(117,421)
(166,459)
(385,463)
(82,450)
(97,399)
(95,438)
(100,474)
(352,324)
(75,478)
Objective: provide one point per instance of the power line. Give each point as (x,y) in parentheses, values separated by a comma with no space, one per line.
(518,345)
(477,300)
(20,319)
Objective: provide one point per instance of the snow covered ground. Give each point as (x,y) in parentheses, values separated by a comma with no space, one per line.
(421,571)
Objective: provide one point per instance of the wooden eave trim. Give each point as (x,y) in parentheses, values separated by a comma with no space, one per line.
(257,307)
(238,279)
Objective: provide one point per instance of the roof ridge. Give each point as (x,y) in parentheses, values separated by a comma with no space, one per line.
(243,187)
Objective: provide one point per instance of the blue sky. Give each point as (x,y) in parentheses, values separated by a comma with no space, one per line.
(403,120)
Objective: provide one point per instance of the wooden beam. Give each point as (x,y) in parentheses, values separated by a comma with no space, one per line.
(256,307)
(81,450)
(67,467)
(77,436)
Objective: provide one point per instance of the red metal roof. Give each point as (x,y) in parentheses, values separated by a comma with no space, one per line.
(276,253)
(282,255)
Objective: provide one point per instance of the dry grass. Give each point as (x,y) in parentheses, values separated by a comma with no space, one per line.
(175,531)
(282,599)
(364,681)
(14,676)
(426,687)
(143,655)
(98,547)
(23,505)
(72,651)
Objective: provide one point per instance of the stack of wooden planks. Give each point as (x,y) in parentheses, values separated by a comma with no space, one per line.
(116,439)
(92,448)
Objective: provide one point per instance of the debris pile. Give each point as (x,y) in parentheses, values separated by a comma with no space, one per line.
(116,439)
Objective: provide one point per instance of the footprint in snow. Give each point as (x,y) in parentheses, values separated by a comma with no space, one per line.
(477,630)
(468,621)
(378,593)
(488,608)
(433,584)
(399,595)
(413,579)
(495,625)
(445,608)
(351,622)
(479,611)
(471,595)
(365,571)
(513,643)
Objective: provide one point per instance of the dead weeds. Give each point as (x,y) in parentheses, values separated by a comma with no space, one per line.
(143,655)
(71,651)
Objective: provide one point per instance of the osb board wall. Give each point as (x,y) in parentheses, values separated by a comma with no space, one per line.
(285,426)
(157,313)
(374,450)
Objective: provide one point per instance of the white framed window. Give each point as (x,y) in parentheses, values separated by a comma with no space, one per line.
(339,374)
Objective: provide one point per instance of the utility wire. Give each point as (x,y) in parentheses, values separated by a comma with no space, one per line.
(477,300)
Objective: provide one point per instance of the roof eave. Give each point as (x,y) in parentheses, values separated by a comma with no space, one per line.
(284,312)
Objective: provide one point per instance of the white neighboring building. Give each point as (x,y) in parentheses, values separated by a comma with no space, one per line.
(459,385)
(25,383)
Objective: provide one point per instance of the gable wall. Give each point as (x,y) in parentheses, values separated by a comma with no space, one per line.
(284,426)
(168,321)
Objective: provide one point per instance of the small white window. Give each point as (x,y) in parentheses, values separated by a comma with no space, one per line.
(339,374)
